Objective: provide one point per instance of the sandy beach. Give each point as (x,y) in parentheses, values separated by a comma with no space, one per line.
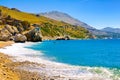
(8,70)
(6,73)
(4,44)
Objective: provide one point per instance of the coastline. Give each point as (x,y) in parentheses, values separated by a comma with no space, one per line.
(6,73)
(9,70)
(29,66)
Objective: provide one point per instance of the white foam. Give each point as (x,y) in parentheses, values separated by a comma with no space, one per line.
(19,52)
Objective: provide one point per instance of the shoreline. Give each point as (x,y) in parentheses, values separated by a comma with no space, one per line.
(27,61)
(6,73)
(9,69)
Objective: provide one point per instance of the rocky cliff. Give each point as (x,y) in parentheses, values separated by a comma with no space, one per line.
(17,30)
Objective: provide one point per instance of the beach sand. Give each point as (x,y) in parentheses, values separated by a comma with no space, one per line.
(6,73)
(8,70)
(4,44)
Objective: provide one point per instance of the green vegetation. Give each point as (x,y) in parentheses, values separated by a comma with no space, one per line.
(54,30)
(49,27)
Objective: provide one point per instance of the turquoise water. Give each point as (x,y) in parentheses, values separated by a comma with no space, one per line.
(95,53)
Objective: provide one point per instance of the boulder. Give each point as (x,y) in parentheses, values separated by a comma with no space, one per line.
(9,28)
(60,38)
(63,38)
(67,38)
(15,29)
(12,29)
(20,38)
(5,35)
(34,35)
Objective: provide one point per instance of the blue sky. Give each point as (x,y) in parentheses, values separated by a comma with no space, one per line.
(97,13)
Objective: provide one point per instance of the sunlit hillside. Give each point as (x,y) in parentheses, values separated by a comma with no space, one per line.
(49,27)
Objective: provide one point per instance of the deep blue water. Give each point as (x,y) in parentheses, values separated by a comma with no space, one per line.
(102,53)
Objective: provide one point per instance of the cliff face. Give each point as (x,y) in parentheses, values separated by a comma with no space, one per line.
(14,22)
(17,30)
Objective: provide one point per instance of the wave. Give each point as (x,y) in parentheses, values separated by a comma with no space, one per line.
(51,68)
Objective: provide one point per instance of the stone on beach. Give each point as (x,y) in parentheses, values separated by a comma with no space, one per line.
(34,35)
(20,38)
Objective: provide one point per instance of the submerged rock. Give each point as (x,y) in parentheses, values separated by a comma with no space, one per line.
(20,38)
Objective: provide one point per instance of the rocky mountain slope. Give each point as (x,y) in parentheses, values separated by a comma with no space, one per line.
(63,17)
(56,15)
(17,25)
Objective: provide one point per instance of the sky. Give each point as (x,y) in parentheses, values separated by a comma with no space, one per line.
(97,13)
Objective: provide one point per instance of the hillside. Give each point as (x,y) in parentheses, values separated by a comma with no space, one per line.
(64,17)
(49,28)
(60,16)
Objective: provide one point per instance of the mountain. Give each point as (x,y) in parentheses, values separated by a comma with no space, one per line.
(63,17)
(109,29)
(24,22)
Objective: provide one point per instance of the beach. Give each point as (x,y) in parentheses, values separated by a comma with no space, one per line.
(24,64)
(8,70)
(6,73)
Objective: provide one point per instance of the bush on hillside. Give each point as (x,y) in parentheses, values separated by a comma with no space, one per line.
(25,24)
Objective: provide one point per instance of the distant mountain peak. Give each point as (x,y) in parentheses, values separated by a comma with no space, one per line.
(110,29)
(61,16)
(55,12)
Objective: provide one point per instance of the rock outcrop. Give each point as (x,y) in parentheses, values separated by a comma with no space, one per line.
(12,33)
(63,38)
(34,35)
(5,35)
(13,30)
(20,38)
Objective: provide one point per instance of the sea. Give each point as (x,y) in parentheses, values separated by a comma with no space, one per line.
(101,57)
(70,59)
(93,53)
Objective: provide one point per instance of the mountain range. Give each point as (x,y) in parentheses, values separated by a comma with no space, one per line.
(63,17)
(109,29)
